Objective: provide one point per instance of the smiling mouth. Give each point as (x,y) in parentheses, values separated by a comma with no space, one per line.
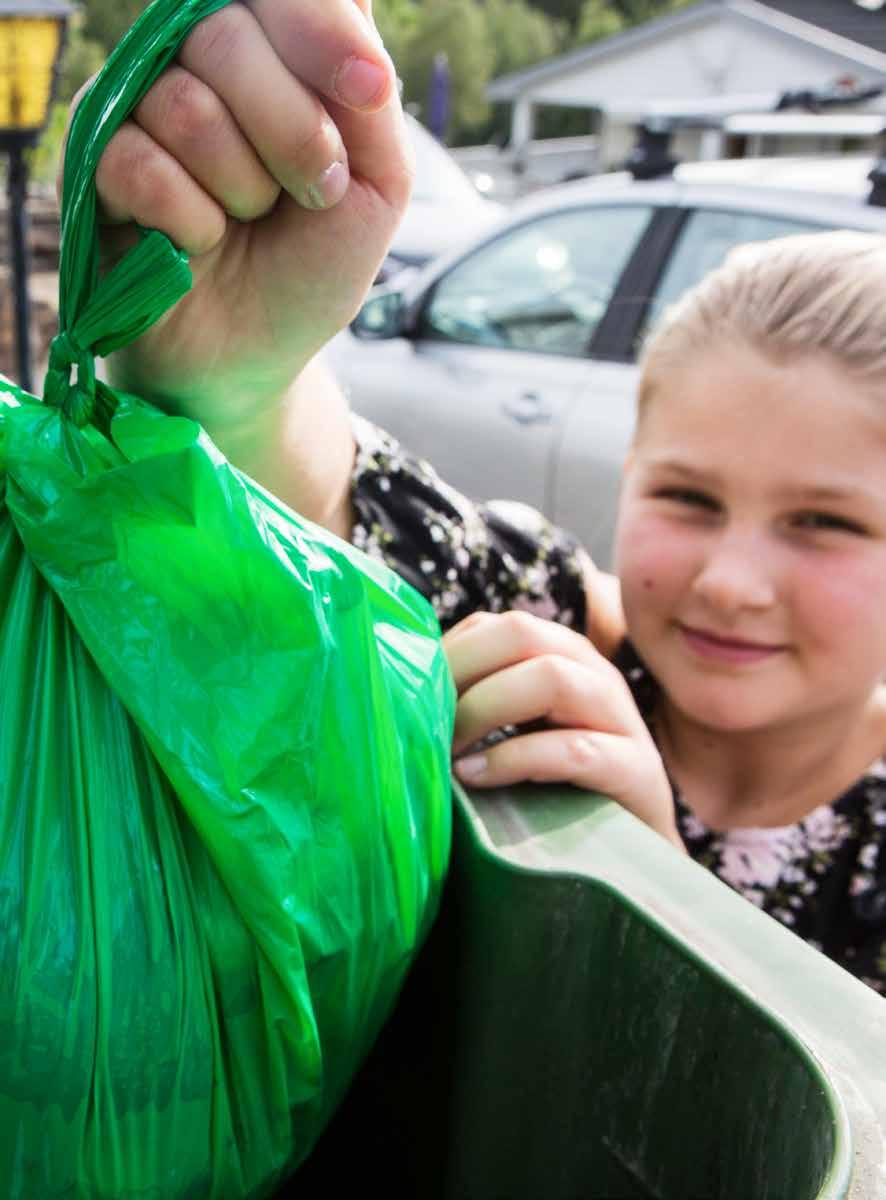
(726,649)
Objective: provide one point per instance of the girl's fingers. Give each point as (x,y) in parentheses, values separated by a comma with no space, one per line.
(137,180)
(484,643)
(626,768)
(551,688)
(594,761)
(293,135)
(189,120)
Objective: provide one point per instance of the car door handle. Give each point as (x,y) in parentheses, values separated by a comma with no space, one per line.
(527,409)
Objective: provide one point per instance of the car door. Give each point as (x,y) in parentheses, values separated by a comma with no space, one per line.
(597,429)
(484,386)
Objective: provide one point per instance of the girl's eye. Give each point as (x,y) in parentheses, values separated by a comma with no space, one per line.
(689,497)
(829,522)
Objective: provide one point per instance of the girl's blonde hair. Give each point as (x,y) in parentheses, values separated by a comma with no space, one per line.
(811,293)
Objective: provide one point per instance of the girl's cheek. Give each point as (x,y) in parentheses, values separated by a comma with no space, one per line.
(849,594)
(651,560)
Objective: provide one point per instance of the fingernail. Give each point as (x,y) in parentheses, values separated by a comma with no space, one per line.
(471,766)
(330,187)
(359,83)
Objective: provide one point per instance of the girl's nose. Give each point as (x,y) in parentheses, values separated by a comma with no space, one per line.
(735,575)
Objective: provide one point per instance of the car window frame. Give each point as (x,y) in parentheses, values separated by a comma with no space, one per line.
(642,282)
(615,337)
(422,327)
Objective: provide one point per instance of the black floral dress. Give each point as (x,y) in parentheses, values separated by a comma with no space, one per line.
(463,557)
(824,877)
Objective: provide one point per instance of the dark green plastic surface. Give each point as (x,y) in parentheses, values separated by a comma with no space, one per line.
(598,1017)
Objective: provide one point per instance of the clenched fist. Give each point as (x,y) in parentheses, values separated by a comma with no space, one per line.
(274,151)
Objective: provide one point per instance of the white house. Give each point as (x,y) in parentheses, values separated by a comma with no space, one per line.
(720,58)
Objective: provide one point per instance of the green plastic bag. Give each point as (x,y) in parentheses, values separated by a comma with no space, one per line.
(224,766)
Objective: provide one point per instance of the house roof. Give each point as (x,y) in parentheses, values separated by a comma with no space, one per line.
(843,17)
(856,34)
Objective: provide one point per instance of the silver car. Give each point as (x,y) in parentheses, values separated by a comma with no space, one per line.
(445,211)
(511,365)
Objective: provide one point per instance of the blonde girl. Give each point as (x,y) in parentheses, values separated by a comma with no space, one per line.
(744,716)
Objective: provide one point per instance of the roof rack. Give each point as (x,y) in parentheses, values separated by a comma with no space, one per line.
(877,176)
(651,156)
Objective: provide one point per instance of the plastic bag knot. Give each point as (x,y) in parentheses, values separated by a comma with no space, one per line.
(70,379)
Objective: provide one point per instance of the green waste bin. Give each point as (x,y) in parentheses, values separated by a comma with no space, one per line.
(596,1017)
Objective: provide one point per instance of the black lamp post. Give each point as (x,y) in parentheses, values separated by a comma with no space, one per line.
(32,36)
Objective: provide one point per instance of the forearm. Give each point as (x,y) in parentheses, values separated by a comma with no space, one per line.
(300,448)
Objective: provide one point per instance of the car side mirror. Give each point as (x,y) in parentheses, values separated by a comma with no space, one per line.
(384,315)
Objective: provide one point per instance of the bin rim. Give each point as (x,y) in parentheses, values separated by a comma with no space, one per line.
(837,1182)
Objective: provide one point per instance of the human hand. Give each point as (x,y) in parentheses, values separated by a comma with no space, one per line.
(514,669)
(274,152)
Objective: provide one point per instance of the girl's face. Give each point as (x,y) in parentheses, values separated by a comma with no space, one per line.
(751,543)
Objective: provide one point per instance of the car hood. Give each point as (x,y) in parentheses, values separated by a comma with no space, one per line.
(429,229)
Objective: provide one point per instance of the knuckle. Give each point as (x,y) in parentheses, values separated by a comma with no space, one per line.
(189,110)
(215,41)
(314,145)
(131,175)
(559,672)
(581,751)
(525,630)
(475,619)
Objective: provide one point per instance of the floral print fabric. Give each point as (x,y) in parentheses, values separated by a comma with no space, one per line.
(824,877)
(463,557)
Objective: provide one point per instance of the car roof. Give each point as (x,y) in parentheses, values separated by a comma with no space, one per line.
(827,190)
(823,191)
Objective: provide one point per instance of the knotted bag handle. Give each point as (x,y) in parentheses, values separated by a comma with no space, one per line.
(100,314)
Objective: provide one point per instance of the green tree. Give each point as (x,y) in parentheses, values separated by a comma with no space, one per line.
(602,18)
(636,11)
(598,19)
(397,21)
(458,28)
(105,21)
(560,10)
(522,34)
(83,57)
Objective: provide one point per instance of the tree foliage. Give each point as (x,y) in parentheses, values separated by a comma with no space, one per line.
(105,21)
(482,40)
(396,21)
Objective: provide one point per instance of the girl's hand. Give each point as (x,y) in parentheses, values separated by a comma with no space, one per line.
(274,152)
(514,669)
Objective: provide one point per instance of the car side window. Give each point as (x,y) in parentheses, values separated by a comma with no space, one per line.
(704,242)
(543,286)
